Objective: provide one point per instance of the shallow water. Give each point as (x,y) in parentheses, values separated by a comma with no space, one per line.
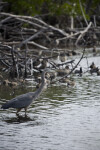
(62,118)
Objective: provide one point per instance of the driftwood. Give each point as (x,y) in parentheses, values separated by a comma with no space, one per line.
(82,33)
(40,29)
(23,36)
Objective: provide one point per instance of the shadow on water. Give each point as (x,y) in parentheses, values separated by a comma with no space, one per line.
(18,119)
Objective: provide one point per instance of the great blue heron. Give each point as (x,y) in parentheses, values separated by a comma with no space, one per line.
(24,100)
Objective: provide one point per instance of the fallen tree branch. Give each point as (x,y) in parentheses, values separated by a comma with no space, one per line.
(36,19)
(21,19)
(37,45)
(31,38)
(75,34)
(83,32)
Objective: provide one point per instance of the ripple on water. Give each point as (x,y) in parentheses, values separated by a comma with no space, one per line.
(62,118)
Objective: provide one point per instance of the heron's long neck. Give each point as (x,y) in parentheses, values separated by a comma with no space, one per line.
(40,89)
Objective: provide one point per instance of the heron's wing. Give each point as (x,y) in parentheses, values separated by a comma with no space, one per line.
(20,101)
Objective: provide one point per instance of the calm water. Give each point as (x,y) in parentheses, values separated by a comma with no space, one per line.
(61,119)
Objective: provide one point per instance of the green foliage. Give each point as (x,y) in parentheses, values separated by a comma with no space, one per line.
(55,7)
(29,7)
(71,8)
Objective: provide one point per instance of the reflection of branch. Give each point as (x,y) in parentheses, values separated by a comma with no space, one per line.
(72,69)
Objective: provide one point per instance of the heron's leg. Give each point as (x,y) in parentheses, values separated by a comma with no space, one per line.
(18,110)
(25,111)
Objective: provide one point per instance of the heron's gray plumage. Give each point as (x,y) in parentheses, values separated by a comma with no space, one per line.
(20,101)
(24,100)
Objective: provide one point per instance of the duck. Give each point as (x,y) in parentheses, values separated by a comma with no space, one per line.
(74,53)
(43,64)
(94,50)
(92,66)
(69,53)
(98,73)
(36,63)
(9,83)
(79,71)
(68,81)
(62,72)
(51,75)
(93,69)
(71,83)
(63,57)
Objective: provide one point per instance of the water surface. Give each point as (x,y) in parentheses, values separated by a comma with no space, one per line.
(62,118)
